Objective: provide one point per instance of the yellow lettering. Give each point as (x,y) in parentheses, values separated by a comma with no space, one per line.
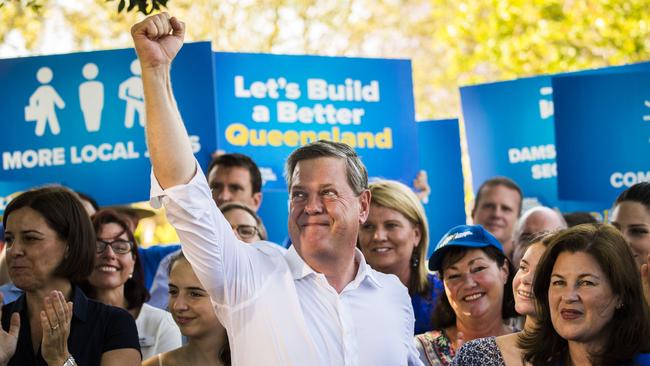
(237,134)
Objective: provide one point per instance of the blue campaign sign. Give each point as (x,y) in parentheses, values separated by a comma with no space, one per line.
(274,212)
(602,127)
(77,119)
(268,105)
(9,191)
(439,148)
(510,132)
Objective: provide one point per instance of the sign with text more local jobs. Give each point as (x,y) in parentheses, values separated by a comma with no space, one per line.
(511,132)
(269,105)
(78,119)
(602,128)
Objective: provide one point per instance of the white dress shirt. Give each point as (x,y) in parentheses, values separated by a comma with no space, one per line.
(157,331)
(276,309)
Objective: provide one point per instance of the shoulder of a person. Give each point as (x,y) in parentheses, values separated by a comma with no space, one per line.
(161,250)
(98,310)
(388,280)
(478,343)
(153,313)
(153,360)
(431,335)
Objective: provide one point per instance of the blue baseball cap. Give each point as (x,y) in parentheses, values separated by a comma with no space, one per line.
(468,236)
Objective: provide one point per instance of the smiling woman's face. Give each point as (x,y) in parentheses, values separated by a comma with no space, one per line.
(388,239)
(474,285)
(581,298)
(189,303)
(111,269)
(522,284)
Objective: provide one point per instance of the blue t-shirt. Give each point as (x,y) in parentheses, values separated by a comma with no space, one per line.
(423,305)
(150,258)
(642,359)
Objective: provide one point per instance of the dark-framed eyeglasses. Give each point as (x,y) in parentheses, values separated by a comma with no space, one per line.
(246,231)
(119,246)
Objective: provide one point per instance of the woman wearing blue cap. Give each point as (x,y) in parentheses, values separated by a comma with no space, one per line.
(477,279)
(504,350)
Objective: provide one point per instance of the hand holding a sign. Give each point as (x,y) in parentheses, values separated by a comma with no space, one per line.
(158,39)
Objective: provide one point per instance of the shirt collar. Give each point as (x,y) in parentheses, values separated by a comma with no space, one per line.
(79,299)
(300,269)
(365,271)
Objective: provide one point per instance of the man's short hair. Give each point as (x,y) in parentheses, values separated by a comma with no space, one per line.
(356,171)
(499,181)
(241,161)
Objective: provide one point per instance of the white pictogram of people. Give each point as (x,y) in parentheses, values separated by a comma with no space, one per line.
(42,104)
(91,97)
(131,91)
(45,100)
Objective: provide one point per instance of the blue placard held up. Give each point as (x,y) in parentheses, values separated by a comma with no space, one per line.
(439,148)
(602,125)
(268,105)
(510,132)
(78,119)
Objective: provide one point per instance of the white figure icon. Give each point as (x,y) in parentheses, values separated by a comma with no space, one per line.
(91,97)
(42,103)
(545,105)
(647,104)
(131,91)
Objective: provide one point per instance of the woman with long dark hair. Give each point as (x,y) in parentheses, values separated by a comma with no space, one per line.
(590,302)
(50,249)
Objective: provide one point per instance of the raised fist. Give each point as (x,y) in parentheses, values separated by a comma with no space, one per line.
(157,40)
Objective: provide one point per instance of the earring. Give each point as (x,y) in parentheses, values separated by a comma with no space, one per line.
(619,305)
(130,275)
(414,260)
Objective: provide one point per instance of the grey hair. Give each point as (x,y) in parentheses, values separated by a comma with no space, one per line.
(356,171)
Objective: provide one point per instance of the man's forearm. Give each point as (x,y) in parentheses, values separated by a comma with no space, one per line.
(167,140)
(157,40)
